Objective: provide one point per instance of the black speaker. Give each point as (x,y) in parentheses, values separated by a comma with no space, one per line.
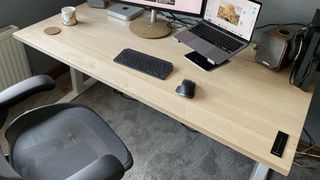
(274,48)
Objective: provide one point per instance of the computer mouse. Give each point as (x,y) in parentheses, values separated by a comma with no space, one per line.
(186,89)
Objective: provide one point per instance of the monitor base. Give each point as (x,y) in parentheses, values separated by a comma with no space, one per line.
(144,28)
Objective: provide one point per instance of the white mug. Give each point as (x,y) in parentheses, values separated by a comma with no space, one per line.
(68,16)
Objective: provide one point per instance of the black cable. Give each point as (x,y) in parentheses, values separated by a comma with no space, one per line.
(305,76)
(182,22)
(311,144)
(311,140)
(189,128)
(288,24)
(172,21)
(171,26)
(190,19)
(123,95)
(291,74)
(180,19)
(161,13)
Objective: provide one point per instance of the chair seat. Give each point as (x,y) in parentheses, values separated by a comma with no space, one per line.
(61,140)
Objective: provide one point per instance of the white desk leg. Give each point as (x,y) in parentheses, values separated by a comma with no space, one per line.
(77,80)
(259,172)
(78,85)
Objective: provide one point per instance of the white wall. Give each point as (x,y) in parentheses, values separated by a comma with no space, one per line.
(285,11)
(23,13)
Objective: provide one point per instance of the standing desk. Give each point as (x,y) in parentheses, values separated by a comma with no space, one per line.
(241,104)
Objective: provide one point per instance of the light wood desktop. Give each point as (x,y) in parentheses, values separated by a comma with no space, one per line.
(241,104)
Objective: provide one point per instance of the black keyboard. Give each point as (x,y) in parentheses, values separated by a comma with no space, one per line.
(217,38)
(144,63)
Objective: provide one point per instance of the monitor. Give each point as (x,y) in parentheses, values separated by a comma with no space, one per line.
(151,27)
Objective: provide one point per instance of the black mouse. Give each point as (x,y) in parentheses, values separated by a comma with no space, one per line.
(186,89)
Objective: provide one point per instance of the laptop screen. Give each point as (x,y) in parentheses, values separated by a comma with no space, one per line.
(235,16)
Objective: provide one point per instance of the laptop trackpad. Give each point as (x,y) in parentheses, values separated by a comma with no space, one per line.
(201,45)
(185,36)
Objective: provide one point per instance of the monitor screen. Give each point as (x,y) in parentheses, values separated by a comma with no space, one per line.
(235,16)
(193,7)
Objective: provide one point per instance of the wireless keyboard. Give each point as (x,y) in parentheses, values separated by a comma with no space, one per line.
(144,63)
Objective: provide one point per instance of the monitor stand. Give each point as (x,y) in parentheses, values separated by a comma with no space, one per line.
(202,61)
(150,27)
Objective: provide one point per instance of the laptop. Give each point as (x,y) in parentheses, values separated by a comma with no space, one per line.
(226,29)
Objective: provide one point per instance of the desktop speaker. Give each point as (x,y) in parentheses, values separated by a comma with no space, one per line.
(274,48)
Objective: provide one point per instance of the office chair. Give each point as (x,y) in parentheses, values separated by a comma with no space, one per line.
(60,141)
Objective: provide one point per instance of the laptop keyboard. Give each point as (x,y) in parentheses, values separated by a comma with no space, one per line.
(217,38)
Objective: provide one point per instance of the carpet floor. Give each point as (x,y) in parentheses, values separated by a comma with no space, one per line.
(161,147)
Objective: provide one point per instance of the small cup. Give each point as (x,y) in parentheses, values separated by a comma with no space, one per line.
(68,16)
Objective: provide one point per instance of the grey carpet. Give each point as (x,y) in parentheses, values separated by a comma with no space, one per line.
(161,147)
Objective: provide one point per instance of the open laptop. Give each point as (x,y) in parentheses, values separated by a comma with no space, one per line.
(226,29)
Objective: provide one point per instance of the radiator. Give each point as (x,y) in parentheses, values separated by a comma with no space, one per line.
(14,65)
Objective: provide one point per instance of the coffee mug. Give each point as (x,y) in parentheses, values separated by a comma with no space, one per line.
(68,16)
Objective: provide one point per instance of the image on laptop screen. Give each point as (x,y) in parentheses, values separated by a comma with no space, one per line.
(237,17)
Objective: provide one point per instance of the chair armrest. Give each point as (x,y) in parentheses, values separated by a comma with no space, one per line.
(24,89)
(107,167)
(6,171)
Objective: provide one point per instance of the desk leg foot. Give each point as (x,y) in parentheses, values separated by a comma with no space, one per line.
(78,85)
(259,172)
